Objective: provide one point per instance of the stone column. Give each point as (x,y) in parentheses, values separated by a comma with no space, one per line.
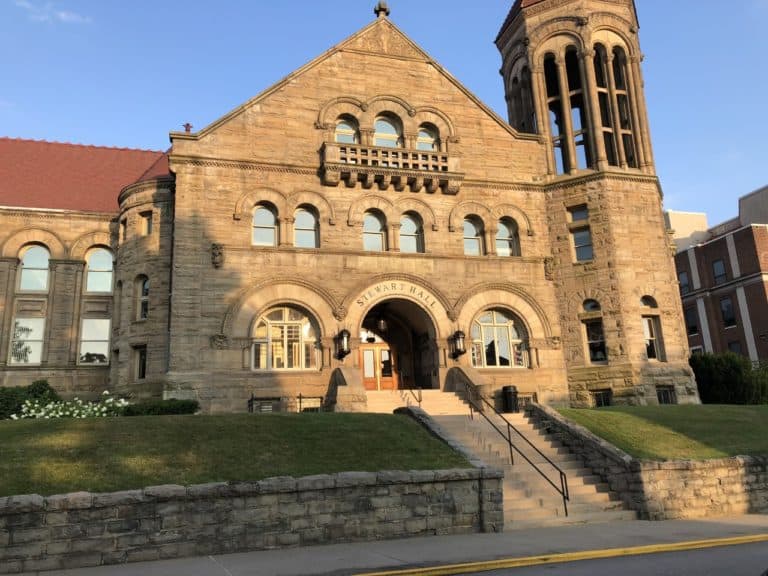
(565,105)
(622,158)
(587,61)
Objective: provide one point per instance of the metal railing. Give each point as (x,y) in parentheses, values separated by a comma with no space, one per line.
(476,402)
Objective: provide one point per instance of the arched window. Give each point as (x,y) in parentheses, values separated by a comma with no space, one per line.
(265,228)
(34,269)
(374,232)
(654,345)
(347,131)
(286,339)
(388,132)
(305,229)
(428,138)
(507,238)
(142,298)
(593,330)
(473,236)
(499,340)
(411,234)
(99,271)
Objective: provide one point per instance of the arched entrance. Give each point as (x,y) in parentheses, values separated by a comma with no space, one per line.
(398,348)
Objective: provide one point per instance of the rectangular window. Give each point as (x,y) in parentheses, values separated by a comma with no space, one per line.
(94,341)
(140,362)
(718,272)
(666,394)
(580,233)
(652,335)
(27,341)
(145,224)
(734,346)
(691,321)
(685,284)
(595,341)
(727,312)
(602,398)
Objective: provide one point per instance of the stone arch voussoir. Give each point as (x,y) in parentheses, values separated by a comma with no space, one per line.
(20,238)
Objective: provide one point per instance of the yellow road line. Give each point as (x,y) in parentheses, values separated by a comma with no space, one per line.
(474,567)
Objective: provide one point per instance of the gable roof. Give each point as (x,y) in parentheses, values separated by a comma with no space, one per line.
(62,176)
(380,38)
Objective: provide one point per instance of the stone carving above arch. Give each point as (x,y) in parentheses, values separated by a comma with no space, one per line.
(504,295)
(510,210)
(421,208)
(555,41)
(331,110)
(462,210)
(371,202)
(310,198)
(383,287)
(576,299)
(20,238)
(431,115)
(88,241)
(254,300)
(247,201)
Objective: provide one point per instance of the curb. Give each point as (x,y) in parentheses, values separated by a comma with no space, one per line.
(486,566)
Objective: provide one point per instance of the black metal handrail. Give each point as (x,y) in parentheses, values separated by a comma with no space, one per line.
(473,407)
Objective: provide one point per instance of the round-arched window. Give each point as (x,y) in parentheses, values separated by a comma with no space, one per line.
(286,338)
(411,234)
(427,139)
(305,229)
(388,133)
(499,340)
(473,236)
(507,238)
(346,131)
(374,232)
(265,230)
(34,269)
(99,271)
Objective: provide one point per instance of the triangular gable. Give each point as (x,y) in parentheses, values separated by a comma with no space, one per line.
(382,38)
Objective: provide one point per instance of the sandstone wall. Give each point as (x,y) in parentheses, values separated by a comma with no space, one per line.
(668,490)
(84,529)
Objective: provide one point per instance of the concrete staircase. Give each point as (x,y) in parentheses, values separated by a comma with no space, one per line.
(529,500)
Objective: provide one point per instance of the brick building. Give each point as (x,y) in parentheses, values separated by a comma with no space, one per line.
(346,231)
(723,275)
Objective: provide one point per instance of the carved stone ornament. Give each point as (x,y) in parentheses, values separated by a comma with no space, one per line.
(549,268)
(217,255)
(219,342)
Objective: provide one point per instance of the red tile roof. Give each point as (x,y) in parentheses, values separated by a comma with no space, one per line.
(39,174)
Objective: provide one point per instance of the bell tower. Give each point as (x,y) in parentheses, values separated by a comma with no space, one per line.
(571,72)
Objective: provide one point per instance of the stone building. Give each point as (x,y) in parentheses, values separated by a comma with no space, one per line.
(346,231)
(723,277)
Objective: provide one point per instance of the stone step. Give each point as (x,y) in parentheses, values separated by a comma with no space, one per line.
(561,520)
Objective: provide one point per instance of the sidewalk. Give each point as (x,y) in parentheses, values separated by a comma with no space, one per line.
(364,557)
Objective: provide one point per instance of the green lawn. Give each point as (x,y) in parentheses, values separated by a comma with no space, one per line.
(679,432)
(108,454)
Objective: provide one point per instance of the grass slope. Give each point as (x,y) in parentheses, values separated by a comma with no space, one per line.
(109,454)
(679,432)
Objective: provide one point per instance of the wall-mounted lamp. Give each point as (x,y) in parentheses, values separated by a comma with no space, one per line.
(456,344)
(381,325)
(342,344)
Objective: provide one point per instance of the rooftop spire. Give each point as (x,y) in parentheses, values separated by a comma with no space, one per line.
(381,10)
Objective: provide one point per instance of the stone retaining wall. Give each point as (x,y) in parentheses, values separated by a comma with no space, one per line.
(667,490)
(84,529)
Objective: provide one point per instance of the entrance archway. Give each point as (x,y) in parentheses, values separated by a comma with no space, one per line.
(398,347)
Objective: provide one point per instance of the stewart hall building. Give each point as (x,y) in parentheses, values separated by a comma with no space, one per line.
(347,231)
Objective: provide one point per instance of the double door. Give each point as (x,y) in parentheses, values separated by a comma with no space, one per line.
(379,367)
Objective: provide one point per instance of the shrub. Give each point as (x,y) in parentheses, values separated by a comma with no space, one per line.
(107,406)
(12,399)
(161,407)
(729,379)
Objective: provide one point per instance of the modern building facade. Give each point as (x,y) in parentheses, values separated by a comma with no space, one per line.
(723,276)
(346,231)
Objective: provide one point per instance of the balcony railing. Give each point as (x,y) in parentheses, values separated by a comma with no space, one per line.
(390,167)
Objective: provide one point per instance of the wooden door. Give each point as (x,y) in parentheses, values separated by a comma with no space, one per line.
(379,367)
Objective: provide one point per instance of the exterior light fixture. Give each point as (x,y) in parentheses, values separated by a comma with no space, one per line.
(457,344)
(342,344)
(382,325)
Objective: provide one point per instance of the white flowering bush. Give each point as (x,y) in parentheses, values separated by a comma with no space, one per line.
(108,405)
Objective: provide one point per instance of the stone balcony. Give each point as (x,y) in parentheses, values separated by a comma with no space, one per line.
(398,168)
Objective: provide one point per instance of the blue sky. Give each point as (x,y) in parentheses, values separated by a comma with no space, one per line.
(120,73)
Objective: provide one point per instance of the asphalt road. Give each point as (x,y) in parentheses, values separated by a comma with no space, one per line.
(742,560)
